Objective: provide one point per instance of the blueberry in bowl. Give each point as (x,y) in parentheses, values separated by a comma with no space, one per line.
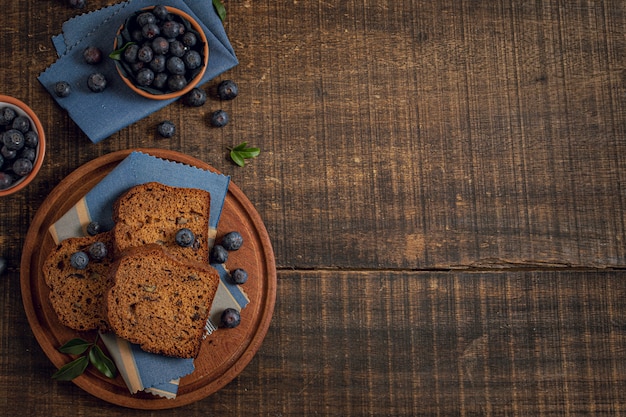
(22,145)
(160,52)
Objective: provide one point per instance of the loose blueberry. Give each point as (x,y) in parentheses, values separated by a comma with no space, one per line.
(219,118)
(185,237)
(97,82)
(79,260)
(218,255)
(230,318)
(196,97)
(227,90)
(22,167)
(166,129)
(62,89)
(93,228)
(239,276)
(92,55)
(232,241)
(98,251)
(77,4)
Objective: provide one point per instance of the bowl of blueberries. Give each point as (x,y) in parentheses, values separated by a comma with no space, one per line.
(23,145)
(161,52)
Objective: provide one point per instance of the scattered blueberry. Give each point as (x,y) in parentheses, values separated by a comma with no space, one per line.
(185,237)
(227,90)
(97,82)
(62,89)
(77,4)
(218,255)
(22,167)
(3,265)
(232,241)
(195,98)
(166,129)
(219,118)
(239,276)
(230,318)
(92,55)
(93,228)
(79,260)
(98,251)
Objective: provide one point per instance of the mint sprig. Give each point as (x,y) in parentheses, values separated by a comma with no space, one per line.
(241,152)
(220,9)
(117,54)
(95,356)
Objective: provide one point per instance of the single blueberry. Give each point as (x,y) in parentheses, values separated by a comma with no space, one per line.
(195,98)
(7,114)
(62,89)
(145,18)
(145,77)
(92,55)
(13,139)
(5,180)
(171,29)
(98,251)
(31,139)
(160,11)
(97,82)
(93,228)
(21,123)
(160,81)
(232,241)
(8,153)
(189,39)
(219,118)
(175,65)
(77,4)
(218,255)
(185,237)
(230,318)
(150,31)
(239,276)
(79,260)
(22,167)
(192,60)
(227,90)
(130,53)
(176,82)
(160,45)
(167,129)
(145,54)
(158,63)
(28,153)
(177,48)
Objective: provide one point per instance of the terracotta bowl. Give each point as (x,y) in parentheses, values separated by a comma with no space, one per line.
(23,110)
(150,92)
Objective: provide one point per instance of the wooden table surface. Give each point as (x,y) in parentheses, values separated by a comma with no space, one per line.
(444,186)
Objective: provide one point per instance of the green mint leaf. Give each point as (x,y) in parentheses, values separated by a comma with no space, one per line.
(234,155)
(242,152)
(71,370)
(75,346)
(102,362)
(117,54)
(219,8)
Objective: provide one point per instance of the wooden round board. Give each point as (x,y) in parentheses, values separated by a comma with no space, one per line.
(223,355)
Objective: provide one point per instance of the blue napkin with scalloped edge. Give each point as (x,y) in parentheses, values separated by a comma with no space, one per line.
(99,115)
(143,371)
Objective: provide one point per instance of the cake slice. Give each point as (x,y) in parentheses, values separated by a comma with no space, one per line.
(78,295)
(159,301)
(155,212)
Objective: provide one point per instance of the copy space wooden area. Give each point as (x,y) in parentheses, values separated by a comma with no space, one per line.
(443,183)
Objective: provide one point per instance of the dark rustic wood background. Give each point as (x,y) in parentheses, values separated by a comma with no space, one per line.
(444,185)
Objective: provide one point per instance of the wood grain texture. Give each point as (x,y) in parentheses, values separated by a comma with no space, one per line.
(443,185)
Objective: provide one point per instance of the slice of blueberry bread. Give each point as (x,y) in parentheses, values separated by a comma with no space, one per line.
(159,301)
(76,272)
(156,213)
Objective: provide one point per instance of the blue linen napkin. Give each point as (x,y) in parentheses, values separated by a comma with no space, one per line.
(140,370)
(99,115)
